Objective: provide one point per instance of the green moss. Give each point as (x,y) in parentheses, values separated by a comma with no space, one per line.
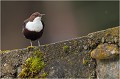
(85,62)
(44,75)
(86,59)
(5,51)
(46,45)
(65,48)
(33,65)
(31,48)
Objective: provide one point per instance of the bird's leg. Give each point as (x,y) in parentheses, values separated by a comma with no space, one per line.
(38,43)
(31,43)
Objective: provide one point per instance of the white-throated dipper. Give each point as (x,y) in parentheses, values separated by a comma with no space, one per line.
(33,27)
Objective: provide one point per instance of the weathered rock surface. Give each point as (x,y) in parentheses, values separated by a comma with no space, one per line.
(105,51)
(67,59)
(108,69)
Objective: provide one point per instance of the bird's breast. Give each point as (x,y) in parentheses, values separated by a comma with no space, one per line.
(34,26)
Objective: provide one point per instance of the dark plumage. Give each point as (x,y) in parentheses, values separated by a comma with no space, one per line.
(33,27)
(32,35)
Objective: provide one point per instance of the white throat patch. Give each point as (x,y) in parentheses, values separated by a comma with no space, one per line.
(36,25)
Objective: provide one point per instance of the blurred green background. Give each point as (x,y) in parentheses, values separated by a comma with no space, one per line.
(63,20)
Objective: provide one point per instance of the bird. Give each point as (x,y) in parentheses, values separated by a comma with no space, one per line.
(33,27)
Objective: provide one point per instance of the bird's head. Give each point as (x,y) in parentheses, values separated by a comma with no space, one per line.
(36,16)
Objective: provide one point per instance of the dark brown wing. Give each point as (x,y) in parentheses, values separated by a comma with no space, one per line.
(24,23)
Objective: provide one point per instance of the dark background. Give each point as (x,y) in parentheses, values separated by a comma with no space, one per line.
(63,20)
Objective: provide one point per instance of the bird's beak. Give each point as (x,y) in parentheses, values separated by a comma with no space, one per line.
(42,14)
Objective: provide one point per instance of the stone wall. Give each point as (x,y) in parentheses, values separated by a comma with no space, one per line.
(93,56)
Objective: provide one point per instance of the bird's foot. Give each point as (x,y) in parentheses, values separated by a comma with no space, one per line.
(38,43)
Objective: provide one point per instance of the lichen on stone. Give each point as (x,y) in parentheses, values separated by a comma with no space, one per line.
(105,51)
(112,32)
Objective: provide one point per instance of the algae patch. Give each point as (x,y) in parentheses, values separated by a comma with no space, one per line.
(32,65)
